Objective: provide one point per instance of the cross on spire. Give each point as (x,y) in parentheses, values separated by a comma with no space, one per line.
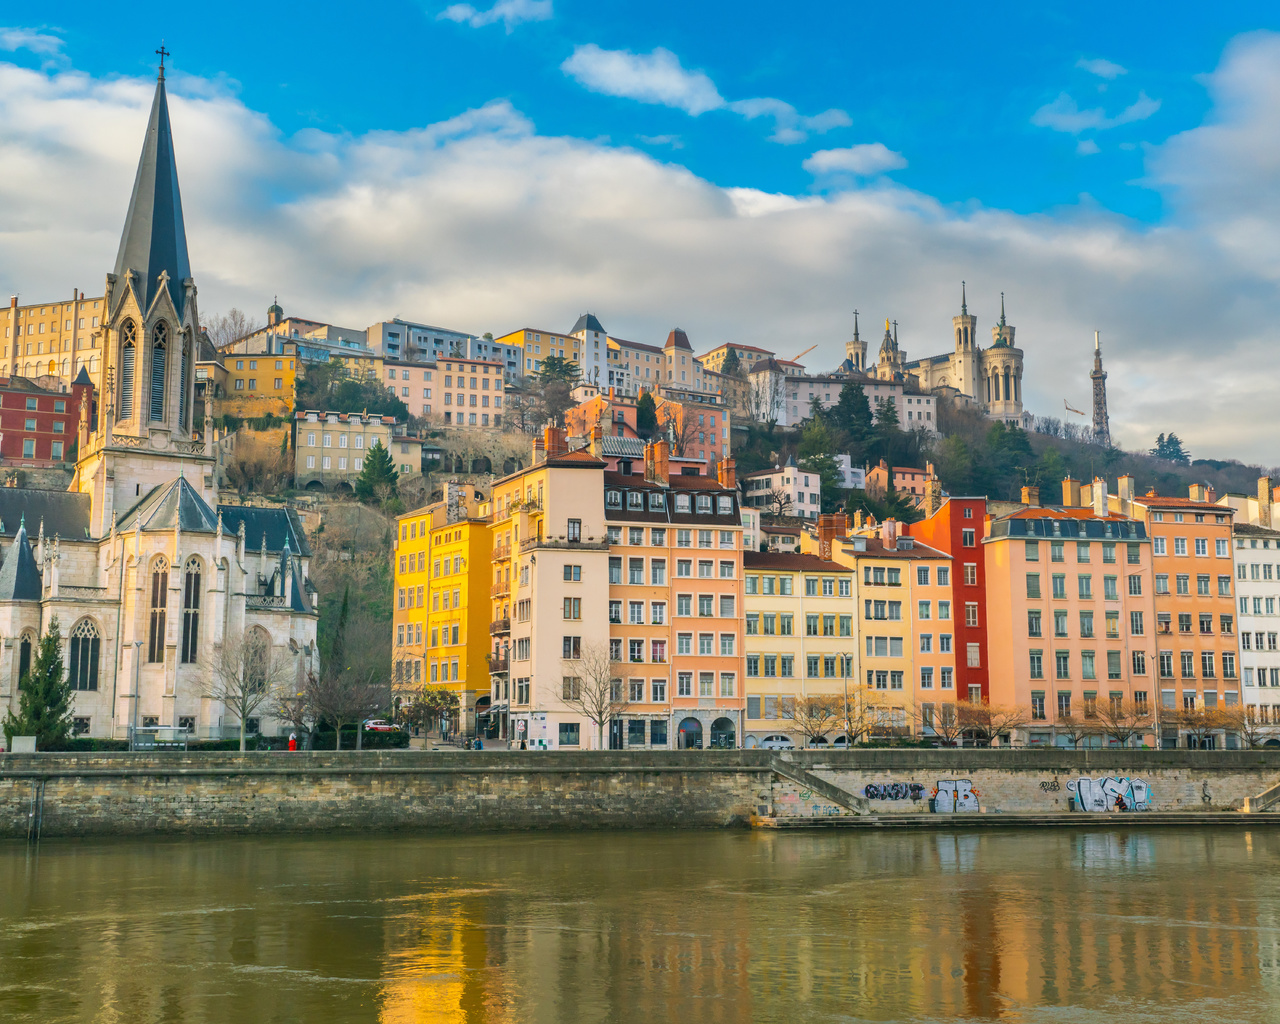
(163,54)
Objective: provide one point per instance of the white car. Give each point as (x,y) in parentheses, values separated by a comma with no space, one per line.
(777,743)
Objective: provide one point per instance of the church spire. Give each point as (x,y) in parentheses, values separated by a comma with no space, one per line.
(964,301)
(855,326)
(1002,323)
(154,240)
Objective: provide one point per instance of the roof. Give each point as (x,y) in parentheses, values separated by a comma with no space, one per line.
(797,561)
(1249,530)
(16,383)
(639,345)
(64,514)
(280,526)
(1064,512)
(876,548)
(797,529)
(82,377)
(176,503)
(622,447)
(154,237)
(19,576)
(581,458)
(737,345)
(588,322)
(766,364)
(678,339)
(1159,501)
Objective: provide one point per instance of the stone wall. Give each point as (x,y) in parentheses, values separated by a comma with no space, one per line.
(201,793)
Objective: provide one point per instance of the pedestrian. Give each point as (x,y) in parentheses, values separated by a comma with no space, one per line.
(1120,804)
(293,741)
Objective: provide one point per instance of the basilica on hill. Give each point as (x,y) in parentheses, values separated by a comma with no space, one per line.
(152,582)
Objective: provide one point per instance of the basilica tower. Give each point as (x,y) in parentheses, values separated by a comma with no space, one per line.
(144,434)
(1101,420)
(965,365)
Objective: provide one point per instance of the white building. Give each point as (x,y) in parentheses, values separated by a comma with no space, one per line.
(1257,561)
(800,491)
(405,341)
(851,475)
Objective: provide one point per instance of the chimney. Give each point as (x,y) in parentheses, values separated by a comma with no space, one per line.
(1099,497)
(1210,495)
(556,443)
(889,535)
(1197,492)
(1031,496)
(455,498)
(656,457)
(597,440)
(932,497)
(1126,489)
(539,452)
(1264,501)
(1071,492)
(727,473)
(857,519)
(827,526)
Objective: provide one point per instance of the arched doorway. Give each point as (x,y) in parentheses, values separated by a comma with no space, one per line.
(690,735)
(722,734)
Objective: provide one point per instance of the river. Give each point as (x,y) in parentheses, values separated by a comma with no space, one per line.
(1063,926)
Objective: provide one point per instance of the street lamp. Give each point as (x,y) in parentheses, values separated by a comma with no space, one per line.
(137,691)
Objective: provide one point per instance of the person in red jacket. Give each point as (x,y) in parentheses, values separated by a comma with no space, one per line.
(293,741)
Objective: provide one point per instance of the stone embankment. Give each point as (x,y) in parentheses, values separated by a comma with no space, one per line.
(210,793)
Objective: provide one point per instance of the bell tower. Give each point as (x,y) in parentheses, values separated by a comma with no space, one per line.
(855,350)
(964,328)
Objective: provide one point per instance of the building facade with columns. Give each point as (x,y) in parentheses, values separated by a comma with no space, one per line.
(152,583)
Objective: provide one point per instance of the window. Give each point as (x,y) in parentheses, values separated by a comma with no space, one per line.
(1135,624)
(159,604)
(85,648)
(571,648)
(726,606)
(1084,585)
(1202,547)
(968,537)
(971,614)
(1059,586)
(569,734)
(1037,664)
(191,611)
(970,574)
(973,655)
(1032,549)
(1062,660)
(1033,622)
(573,607)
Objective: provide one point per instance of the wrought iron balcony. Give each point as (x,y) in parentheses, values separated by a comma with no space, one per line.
(497,664)
(499,626)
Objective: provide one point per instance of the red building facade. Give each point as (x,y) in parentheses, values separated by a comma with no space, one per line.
(39,426)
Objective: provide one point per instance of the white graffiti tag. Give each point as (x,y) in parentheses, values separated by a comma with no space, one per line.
(955,795)
(1097,795)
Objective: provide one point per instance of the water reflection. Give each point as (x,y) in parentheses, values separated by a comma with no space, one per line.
(1062,926)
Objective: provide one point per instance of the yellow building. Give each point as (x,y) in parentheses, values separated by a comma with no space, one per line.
(51,338)
(538,343)
(260,384)
(800,640)
(440,626)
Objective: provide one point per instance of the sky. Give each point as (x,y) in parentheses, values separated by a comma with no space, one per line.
(747,172)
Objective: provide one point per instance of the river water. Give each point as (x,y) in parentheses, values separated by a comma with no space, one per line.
(1062,926)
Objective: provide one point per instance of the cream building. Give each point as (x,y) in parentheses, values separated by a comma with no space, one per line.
(330,447)
(150,581)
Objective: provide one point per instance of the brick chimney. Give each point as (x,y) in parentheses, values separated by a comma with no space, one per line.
(1099,496)
(1210,495)
(556,442)
(1031,496)
(1196,491)
(1071,492)
(727,473)
(597,440)
(827,532)
(539,451)
(1264,501)
(657,456)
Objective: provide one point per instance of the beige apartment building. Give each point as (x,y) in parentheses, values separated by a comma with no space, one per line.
(52,338)
(330,447)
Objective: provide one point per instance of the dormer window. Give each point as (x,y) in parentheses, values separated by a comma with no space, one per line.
(704,504)
(682,503)
(613,499)
(724,505)
(635,500)
(657,502)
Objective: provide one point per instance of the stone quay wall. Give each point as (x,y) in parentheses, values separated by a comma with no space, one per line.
(101,794)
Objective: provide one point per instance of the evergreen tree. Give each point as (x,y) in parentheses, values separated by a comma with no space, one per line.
(852,414)
(338,650)
(817,443)
(646,415)
(44,697)
(377,480)
(1158,450)
(732,365)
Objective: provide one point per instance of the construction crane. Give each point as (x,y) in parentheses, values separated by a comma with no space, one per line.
(804,353)
(1071,408)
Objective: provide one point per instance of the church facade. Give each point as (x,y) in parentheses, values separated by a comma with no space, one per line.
(991,378)
(152,582)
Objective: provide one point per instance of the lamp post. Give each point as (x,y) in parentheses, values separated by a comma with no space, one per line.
(137,691)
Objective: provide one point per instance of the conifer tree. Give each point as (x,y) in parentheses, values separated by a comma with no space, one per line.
(377,480)
(44,697)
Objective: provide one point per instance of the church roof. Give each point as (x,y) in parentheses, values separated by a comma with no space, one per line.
(19,576)
(167,505)
(64,514)
(154,237)
(587,322)
(280,526)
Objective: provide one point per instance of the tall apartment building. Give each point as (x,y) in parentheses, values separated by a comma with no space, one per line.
(441,615)
(471,392)
(786,490)
(799,640)
(589,563)
(1195,605)
(415,384)
(584,346)
(54,339)
(1071,614)
(39,426)
(256,384)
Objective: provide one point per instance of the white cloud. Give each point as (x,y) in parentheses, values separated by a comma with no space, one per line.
(659,77)
(1087,147)
(482,224)
(14,39)
(866,159)
(1065,115)
(656,77)
(1102,68)
(510,12)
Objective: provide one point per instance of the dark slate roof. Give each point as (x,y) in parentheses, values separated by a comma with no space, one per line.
(280,526)
(65,514)
(154,236)
(589,322)
(19,577)
(781,560)
(678,339)
(622,447)
(83,377)
(165,505)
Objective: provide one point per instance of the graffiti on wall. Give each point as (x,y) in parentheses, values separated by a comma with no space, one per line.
(893,791)
(955,795)
(1101,794)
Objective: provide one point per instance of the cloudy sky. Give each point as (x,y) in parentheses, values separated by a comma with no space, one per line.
(741,171)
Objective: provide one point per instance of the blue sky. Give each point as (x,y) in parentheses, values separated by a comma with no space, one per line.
(747,171)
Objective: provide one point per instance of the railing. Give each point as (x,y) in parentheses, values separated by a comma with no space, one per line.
(267,601)
(127,441)
(497,664)
(498,626)
(534,543)
(501,551)
(89,592)
(500,589)
(190,447)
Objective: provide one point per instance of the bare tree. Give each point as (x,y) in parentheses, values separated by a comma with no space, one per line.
(1245,721)
(1199,722)
(256,466)
(989,721)
(947,726)
(590,687)
(680,429)
(764,397)
(247,674)
(290,705)
(1123,719)
(813,716)
(1077,729)
(344,698)
(778,502)
(229,327)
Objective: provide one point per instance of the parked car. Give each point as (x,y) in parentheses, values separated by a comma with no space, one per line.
(379,725)
(777,743)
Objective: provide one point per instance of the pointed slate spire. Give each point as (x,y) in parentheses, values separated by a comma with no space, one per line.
(1002,323)
(964,301)
(155,238)
(19,575)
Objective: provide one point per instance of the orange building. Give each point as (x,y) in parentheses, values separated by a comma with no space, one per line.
(1069,599)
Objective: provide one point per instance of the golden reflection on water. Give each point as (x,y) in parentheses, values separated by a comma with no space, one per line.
(1068,926)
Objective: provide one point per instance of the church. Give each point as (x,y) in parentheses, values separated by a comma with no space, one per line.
(989,378)
(152,582)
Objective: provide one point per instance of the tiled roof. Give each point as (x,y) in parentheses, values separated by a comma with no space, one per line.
(622,447)
(781,560)
(876,549)
(678,339)
(1250,530)
(1159,501)
(587,322)
(580,458)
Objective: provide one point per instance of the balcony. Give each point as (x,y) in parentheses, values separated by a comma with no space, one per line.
(501,552)
(497,664)
(499,627)
(560,543)
(500,589)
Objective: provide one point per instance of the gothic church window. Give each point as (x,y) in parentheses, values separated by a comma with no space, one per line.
(159,605)
(159,348)
(85,642)
(191,611)
(128,363)
(25,645)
